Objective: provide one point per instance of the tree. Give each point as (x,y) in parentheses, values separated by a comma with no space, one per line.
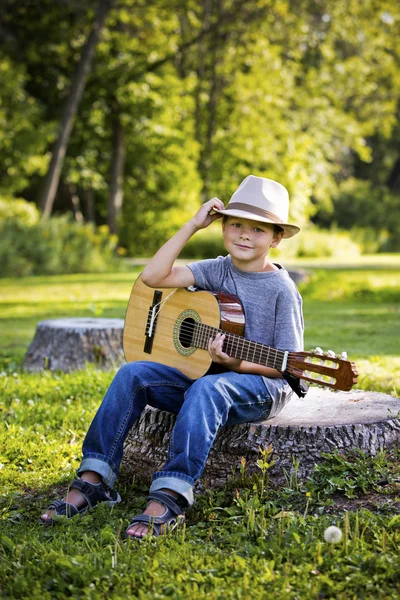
(116,191)
(78,82)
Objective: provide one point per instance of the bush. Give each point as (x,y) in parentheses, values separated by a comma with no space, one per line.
(206,243)
(309,243)
(55,246)
(314,243)
(19,210)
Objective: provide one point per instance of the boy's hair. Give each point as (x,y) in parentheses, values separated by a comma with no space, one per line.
(275,227)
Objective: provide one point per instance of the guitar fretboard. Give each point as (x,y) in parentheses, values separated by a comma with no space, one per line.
(238,347)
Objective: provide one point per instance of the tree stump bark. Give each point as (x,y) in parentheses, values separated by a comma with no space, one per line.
(69,344)
(306,428)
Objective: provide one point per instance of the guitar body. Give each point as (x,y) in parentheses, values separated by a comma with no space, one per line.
(219,310)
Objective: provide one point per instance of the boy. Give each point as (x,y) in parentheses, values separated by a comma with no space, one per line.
(232,392)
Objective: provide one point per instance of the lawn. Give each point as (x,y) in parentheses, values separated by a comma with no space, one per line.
(248,540)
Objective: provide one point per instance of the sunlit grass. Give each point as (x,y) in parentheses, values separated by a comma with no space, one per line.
(253,540)
(26,301)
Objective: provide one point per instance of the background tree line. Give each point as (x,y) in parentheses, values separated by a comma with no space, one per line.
(131,112)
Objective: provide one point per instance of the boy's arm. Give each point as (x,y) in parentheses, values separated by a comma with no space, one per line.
(160,270)
(254,369)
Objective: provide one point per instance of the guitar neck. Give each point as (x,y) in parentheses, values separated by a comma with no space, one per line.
(238,347)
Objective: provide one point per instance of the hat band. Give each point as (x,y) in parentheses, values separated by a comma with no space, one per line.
(255,210)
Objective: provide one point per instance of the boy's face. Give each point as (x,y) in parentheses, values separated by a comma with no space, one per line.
(248,242)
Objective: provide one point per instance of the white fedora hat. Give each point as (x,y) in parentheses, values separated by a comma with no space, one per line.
(261,199)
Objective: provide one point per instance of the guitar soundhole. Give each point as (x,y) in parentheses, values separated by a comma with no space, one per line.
(184,330)
(186,333)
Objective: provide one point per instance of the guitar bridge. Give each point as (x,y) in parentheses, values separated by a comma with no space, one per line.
(152,322)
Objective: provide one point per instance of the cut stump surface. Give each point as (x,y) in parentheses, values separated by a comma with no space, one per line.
(305,428)
(68,344)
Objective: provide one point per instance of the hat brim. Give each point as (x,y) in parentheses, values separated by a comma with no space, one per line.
(288,229)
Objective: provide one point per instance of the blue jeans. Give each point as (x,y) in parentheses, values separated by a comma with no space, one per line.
(202,406)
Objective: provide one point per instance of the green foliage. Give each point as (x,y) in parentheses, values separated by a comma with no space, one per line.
(370,211)
(23,132)
(54,246)
(362,285)
(305,93)
(351,473)
(206,243)
(313,243)
(18,210)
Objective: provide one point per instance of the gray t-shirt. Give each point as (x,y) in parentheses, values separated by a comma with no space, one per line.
(272,307)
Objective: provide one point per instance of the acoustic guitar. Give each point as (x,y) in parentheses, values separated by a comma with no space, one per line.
(174,326)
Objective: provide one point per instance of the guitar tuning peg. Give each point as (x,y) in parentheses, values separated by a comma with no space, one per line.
(343,356)
(331,354)
(318,350)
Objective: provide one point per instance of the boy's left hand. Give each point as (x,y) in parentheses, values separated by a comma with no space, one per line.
(219,356)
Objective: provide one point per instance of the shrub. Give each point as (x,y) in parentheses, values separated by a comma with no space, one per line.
(207,243)
(19,210)
(314,243)
(55,246)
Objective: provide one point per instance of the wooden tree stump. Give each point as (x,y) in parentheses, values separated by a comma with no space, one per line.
(322,422)
(68,344)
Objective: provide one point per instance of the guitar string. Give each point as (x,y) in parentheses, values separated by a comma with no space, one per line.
(262,352)
(187,329)
(258,355)
(160,304)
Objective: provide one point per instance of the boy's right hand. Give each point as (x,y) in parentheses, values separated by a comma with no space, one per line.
(203,218)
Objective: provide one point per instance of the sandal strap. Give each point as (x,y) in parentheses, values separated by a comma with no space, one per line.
(63,508)
(92,492)
(169,517)
(168,501)
(151,522)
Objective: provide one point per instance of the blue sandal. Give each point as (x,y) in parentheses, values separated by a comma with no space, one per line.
(94,493)
(171,518)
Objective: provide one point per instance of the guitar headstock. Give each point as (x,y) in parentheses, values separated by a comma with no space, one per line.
(326,369)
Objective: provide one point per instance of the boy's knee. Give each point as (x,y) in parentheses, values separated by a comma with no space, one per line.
(131,369)
(209,390)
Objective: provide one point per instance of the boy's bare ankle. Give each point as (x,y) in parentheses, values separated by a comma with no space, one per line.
(170,492)
(91,477)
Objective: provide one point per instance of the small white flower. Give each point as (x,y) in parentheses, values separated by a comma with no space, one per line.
(332,534)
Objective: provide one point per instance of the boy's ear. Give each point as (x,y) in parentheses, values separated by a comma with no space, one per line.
(276,240)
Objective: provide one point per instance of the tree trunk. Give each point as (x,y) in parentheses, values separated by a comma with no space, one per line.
(205,161)
(116,193)
(70,108)
(201,71)
(69,344)
(76,203)
(306,428)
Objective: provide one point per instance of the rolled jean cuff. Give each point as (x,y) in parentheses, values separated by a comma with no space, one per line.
(98,466)
(176,484)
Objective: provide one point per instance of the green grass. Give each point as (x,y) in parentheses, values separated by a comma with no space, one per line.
(250,540)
